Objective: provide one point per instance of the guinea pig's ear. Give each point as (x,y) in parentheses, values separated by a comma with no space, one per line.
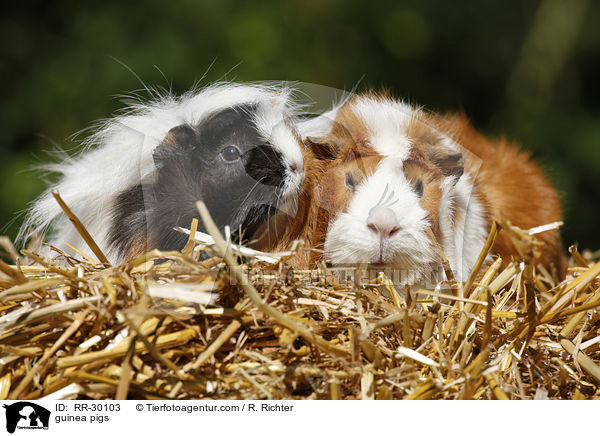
(323,148)
(179,138)
(449,161)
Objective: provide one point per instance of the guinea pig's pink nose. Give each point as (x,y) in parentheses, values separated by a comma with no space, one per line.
(383,222)
(295,167)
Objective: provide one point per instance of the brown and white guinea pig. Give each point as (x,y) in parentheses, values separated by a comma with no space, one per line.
(233,146)
(403,183)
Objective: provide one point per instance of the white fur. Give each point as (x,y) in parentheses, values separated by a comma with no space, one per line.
(319,125)
(463,226)
(272,121)
(119,155)
(387,122)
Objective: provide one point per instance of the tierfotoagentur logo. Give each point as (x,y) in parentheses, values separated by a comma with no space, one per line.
(25,415)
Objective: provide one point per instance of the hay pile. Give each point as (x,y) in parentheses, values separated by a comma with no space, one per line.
(258,330)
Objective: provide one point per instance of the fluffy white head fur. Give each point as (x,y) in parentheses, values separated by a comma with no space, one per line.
(319,125)
(119,155)
(409,252)
(387,122)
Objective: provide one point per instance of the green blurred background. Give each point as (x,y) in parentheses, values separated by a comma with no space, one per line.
(529,70)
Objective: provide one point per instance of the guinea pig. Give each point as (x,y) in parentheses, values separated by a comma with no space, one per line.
(233,146)
(403,185)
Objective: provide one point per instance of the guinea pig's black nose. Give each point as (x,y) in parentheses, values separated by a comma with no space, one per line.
(265,165)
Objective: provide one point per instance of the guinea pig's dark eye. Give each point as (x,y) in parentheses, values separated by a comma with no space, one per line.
(418,187)
(231,153)
(350,183)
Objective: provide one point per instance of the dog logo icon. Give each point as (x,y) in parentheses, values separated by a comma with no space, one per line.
(26,415)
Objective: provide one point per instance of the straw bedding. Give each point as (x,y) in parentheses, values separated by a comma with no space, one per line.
(242,325)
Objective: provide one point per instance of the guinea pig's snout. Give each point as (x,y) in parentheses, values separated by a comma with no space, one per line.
(383,222)
(296,168)
(264,164)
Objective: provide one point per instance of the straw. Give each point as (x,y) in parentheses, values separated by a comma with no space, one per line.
(243,325)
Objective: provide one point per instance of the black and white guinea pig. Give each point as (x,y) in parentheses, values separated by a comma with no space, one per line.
(233,146)
(405,184)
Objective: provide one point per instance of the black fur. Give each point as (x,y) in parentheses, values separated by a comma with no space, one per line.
(191,166)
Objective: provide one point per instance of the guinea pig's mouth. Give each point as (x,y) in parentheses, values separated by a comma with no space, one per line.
(384,256)
(383,260)
(379,264)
